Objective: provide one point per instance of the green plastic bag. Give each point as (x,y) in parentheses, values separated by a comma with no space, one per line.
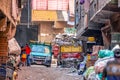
(105,53)
(88,71)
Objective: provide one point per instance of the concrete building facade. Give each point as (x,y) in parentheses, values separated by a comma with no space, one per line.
(98,18)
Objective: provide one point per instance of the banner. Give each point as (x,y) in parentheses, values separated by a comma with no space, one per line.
(39,15)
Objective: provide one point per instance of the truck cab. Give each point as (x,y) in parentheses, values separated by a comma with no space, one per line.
(41,54)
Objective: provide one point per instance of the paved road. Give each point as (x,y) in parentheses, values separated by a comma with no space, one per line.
(36,72)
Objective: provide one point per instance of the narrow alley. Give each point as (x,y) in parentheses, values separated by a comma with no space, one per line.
(59,39)
(37,72)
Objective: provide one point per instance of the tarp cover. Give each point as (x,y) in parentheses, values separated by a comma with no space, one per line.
(14,47)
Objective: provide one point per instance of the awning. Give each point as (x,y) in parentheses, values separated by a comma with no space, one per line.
(91,32)
(62,16)
(92,29)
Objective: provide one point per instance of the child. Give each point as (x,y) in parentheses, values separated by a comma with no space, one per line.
(23,58)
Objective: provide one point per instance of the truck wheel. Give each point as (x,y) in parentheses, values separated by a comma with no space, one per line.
(48,65)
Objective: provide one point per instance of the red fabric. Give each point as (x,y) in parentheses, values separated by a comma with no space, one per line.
(70,55)
(27,50)
(23,59)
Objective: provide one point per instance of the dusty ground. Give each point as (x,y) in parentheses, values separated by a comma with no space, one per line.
(43,73)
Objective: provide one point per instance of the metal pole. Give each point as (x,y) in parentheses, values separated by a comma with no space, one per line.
(28,14)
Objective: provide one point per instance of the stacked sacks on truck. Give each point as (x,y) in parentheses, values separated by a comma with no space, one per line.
(70,55)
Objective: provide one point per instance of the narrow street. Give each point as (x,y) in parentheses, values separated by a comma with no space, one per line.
(66,39)
(37,72)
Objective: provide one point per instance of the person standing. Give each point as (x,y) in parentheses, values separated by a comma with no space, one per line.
(28,50)
(22,57)
(112,69)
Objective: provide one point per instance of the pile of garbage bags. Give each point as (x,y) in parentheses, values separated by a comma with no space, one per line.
(13,59)
(95,72)
(104,57)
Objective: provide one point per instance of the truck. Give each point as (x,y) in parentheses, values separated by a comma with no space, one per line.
(41,53)
(69,55)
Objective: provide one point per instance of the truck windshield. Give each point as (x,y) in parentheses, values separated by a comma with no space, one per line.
(40,49)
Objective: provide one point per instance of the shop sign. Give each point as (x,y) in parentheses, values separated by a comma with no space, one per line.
(71,49)
(38,15)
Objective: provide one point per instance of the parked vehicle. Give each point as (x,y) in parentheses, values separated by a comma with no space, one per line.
(69,55)
(41,53)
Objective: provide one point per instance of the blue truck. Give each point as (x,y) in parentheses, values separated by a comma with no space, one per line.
(41,53)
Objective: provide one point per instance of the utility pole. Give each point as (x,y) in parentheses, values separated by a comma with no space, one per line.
(28,14)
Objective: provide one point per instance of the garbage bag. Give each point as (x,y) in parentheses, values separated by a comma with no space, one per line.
(101,63)
(116,47)
(93,76)
(100,75)
(14,47)
(88,71)
(105,53)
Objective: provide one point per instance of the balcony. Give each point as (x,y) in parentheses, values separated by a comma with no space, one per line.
(100,11)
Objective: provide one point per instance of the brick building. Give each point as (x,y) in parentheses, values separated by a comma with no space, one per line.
(9,18)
